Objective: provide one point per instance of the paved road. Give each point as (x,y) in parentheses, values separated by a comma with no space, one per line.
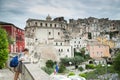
(6,74)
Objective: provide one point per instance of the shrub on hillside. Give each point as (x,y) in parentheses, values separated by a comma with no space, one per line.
(116,62)
(80,69)
(48,70)
(83,75)
(75,60)
(49,64)
(62,68)
(90,66)
(71,74)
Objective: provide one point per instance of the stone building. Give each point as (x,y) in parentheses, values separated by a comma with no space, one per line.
(49,32)
(78,42)
(61,37)
(98,50)
(15,35)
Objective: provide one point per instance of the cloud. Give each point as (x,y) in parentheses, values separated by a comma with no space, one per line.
(18,11)
(50,10)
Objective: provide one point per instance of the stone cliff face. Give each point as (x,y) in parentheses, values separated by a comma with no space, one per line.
(48,53)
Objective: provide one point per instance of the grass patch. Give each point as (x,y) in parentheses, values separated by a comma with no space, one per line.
(71,74)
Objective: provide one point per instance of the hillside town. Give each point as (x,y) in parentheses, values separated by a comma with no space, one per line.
(57,38)
(62,37)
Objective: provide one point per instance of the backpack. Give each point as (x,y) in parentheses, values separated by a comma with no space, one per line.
(14,62)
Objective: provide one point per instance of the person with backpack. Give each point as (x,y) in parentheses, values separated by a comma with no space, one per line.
(24,56)
(56,68)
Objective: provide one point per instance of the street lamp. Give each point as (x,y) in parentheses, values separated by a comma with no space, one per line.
(70,63)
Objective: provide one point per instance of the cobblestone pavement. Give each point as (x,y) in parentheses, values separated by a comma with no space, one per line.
(6,74)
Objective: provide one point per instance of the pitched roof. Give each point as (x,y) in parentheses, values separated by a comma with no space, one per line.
(5,23)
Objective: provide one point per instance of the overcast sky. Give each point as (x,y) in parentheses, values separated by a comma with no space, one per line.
(18,11)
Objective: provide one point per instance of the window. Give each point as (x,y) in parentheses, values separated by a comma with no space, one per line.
(67,50)
(74,41)
(61,43)
(61,50)
(36,39)
(50,25)
(56,43)
(58,33)
(40,24)
(33,30)
(79,42)
(113,24)
(36,23)
(55,25)
(46,24)
(80,45)
(49,33)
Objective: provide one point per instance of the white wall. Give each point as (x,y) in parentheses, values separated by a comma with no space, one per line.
(95,34)
(78,42)
(45,34)
(64,51)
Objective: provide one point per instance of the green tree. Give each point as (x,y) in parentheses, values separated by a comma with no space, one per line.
(116,63)
(3,48)
(49,64)
(65,61)
(80,68)
(82,51)
(75,60)
(87,57)
(62,68)
(77,54)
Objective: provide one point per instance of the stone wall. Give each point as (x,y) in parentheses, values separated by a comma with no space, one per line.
(32,71)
